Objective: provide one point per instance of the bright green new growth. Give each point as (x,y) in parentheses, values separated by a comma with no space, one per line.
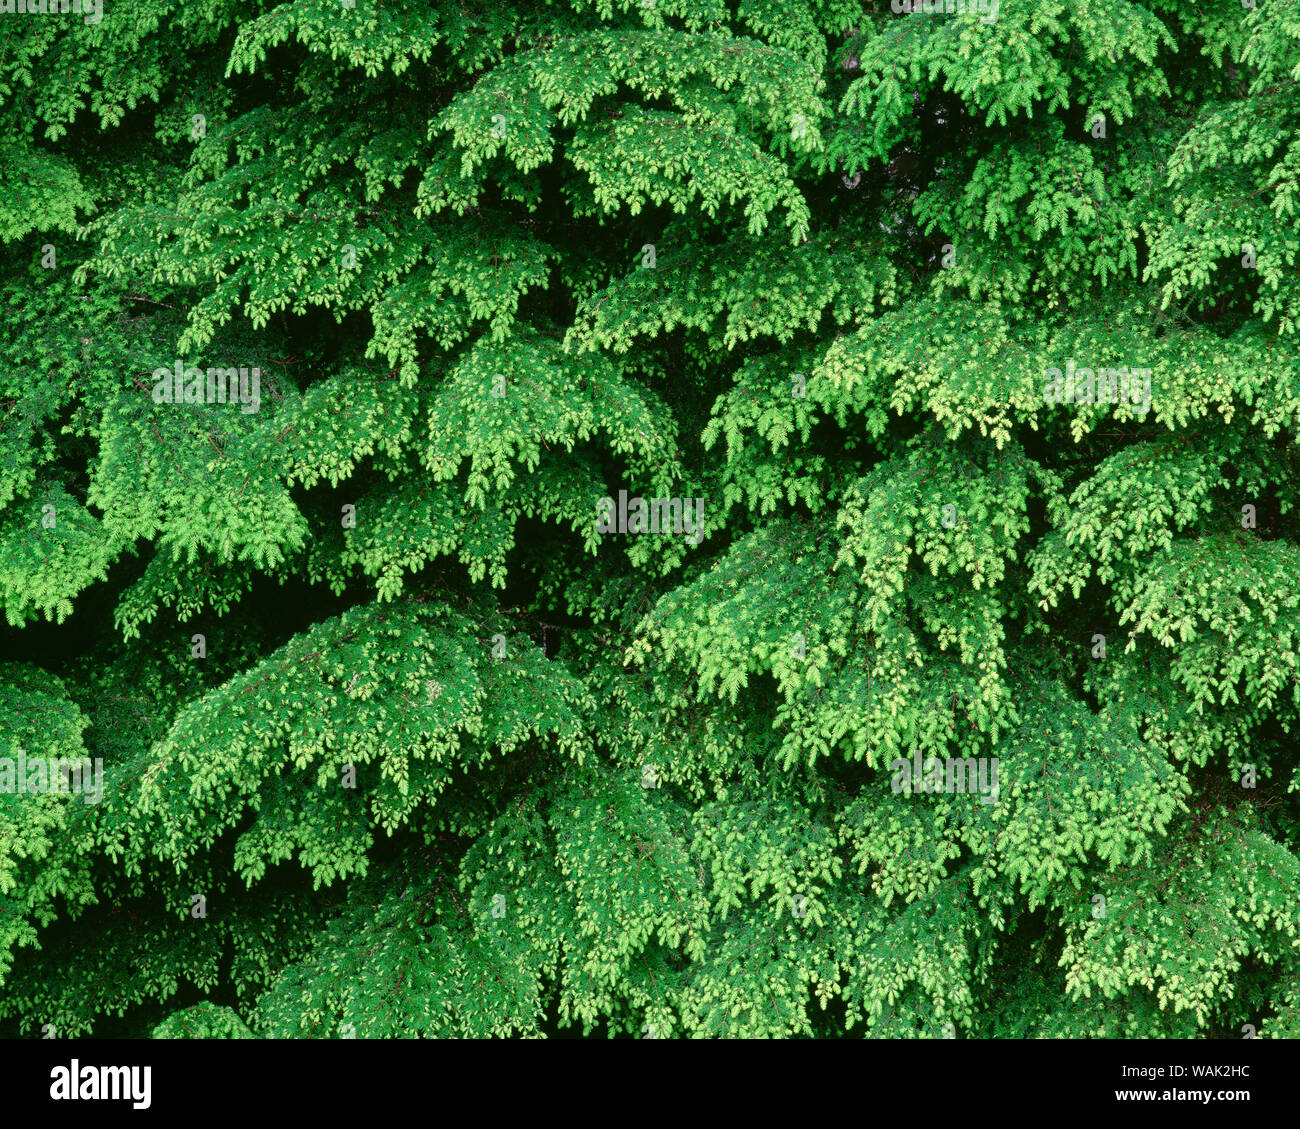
(396,742)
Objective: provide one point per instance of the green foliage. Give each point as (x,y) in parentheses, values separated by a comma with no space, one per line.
(956,709)
(203,1021)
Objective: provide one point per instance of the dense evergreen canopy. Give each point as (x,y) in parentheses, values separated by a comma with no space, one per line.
(404,731)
